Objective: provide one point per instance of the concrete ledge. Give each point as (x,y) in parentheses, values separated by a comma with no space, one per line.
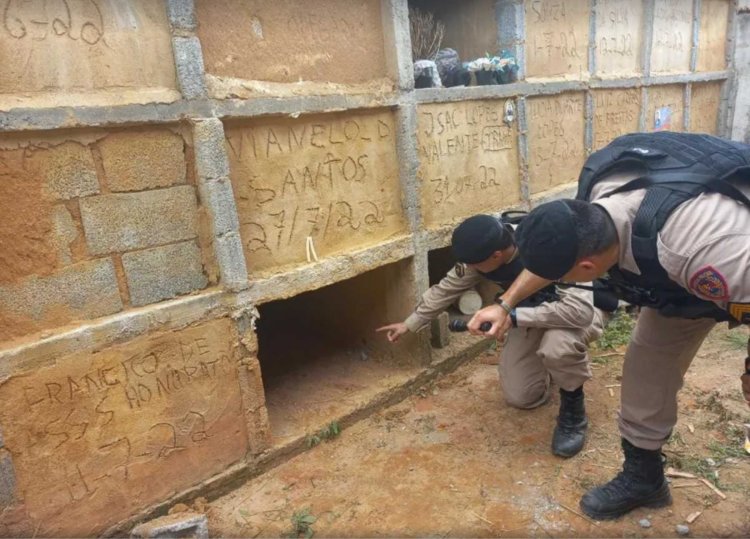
(188,525)
(300,105)
(285,284)
(120,327)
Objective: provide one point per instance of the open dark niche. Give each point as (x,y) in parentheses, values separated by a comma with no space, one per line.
(320,355)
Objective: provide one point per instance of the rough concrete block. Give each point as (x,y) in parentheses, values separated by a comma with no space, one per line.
(742,46)
(218,197)
(64,233)
(231,259)
(741,124)
(193,525)
(123,222)
(85,290)
(181,14)
(188,58)
(440,333)
(163,272)
(211,160)
(68,170)
(7,479)
(135,161)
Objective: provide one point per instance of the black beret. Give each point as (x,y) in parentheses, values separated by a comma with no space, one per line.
(477,238)
(547,240)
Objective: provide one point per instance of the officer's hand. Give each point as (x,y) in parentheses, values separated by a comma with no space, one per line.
(495,314)
(394,331)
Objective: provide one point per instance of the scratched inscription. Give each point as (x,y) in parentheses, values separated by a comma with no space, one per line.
(75,20)
(129,424)
(557,37)
(618,37)
(556,140)
(80,45)
(468,159)
(672,38)
(331,178)
(616,112)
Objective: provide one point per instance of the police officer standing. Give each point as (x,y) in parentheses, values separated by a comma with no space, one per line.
(551,329)
(664,214)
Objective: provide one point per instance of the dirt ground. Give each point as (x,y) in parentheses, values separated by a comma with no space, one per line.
(455,461)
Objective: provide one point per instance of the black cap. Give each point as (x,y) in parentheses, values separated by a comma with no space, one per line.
(547,240)
(477,238)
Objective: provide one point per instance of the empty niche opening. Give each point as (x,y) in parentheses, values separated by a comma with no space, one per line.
(320,355)
(468,27)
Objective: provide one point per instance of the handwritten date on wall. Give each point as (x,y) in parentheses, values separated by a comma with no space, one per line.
(330,179)
(93,425)
(40,20)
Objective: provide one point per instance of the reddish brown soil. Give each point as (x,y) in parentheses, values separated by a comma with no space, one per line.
(455,460)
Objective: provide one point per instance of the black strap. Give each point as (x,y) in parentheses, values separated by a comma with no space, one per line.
(653,212)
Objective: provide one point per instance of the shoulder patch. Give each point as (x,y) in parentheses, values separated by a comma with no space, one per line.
(740,312)
(460,269)
(709,283)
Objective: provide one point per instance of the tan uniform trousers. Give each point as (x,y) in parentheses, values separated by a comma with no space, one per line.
(660,352)
(532,356)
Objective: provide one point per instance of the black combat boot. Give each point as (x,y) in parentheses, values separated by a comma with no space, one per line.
(570,431)
(641,483)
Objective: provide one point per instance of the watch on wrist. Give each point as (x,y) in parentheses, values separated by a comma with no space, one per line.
(505,305)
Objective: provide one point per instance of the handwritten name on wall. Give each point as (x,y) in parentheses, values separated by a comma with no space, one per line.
(468,160)
(556,37)
(618,37)
(556,137)
(673,31)
(112,431)
(333,178)
(616,112)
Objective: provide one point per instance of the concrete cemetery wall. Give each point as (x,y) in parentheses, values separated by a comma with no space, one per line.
(169,166)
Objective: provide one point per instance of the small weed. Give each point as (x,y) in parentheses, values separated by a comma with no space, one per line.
(737,339)
(694,465)
(733,447)
(677,439)
(302,522)
(617,333)
(586,483)
(327,433)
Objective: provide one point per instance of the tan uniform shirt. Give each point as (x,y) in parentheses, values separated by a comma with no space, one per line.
(704,245)
(574,310)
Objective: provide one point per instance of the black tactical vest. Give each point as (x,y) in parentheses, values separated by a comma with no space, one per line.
(507,273)
(673,168)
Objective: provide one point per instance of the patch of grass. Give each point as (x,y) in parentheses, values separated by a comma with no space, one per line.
(332,430)
(302,521)
(694,465)
(737,338)
(734,446)
(618,330)
(677,438)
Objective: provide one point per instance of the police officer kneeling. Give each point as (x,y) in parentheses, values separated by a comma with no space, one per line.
(552,327)
(667,216)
